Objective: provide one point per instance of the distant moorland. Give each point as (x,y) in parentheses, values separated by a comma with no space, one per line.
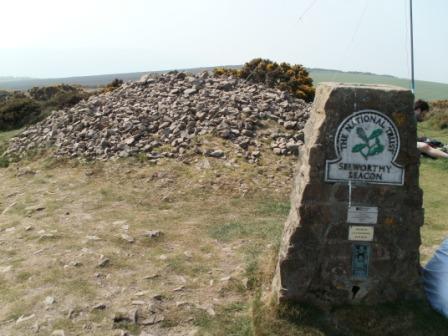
(424,89)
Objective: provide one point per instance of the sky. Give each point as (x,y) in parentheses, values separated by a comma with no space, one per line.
(61,38)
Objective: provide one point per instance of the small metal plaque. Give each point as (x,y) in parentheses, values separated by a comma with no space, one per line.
(360,233)
(360,261)
(362,215)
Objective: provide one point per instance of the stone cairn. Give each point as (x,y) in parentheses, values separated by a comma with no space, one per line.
(163,116)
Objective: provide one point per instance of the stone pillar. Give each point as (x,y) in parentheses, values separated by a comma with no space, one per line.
(353,233)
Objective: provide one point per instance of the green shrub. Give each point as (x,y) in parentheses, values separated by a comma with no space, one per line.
(294,79)
(116,83)
(4,162)
(63,100)
(438,115)
(4,95)
(18,112)
(18,109)
(47,93)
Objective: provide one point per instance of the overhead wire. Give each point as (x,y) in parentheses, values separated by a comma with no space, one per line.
(406,39)
(352,40)
(307,9)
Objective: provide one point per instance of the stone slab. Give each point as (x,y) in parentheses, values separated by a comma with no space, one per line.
(316,258)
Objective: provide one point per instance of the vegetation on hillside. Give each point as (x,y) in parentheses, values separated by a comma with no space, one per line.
(294,79)
(115,84)
(424,89)
(18,112)
(19,109)
(438,116)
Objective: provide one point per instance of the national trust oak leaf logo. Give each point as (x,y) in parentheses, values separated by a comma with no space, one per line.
(371,145)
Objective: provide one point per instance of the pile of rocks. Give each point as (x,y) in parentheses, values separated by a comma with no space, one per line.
(163,117)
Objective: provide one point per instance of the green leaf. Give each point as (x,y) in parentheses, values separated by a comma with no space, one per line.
(377,149)
(376,133)
(362,134)
(359,147)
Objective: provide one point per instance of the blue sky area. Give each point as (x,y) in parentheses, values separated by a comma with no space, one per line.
(53,38)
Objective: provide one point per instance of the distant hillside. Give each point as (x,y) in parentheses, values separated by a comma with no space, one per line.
(10,78)
(424,89)
(89,81)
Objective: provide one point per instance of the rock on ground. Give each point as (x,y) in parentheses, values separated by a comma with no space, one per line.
(163,116)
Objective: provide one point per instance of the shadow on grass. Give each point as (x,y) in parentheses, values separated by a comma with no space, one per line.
(410,318)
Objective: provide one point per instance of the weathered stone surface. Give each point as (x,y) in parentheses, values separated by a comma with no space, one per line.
(315,257)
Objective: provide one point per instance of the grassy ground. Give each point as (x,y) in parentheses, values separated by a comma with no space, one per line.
(206,274)
(4,136)
(60,219)
(434,182)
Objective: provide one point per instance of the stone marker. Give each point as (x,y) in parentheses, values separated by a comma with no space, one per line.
(353,233)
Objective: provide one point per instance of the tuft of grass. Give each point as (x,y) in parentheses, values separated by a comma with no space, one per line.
(111,195)
(291,320)
(4,162)
(229,231)
(180,264)
(230,320)
(133,328)
(5,137)
(23,276)
(274,207)
(64,324)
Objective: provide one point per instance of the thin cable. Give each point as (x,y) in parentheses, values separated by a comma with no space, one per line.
(311,5)
(412,47)
(406,39)
(349,45)
(307,9)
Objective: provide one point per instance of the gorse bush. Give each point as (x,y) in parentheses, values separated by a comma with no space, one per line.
(19,109)
(18,112)
(294,79)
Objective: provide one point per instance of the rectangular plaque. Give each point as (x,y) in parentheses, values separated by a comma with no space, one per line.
(362,215)
(360,233)
(360,261)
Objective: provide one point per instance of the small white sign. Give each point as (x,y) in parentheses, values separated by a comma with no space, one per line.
(362,215)
(360,233)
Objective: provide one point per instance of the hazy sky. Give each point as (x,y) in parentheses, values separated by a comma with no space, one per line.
(58,38)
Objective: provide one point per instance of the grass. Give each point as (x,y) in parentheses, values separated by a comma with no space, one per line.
(4,138)
(212,229)
(231,320)
(413,318)
(433,181)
